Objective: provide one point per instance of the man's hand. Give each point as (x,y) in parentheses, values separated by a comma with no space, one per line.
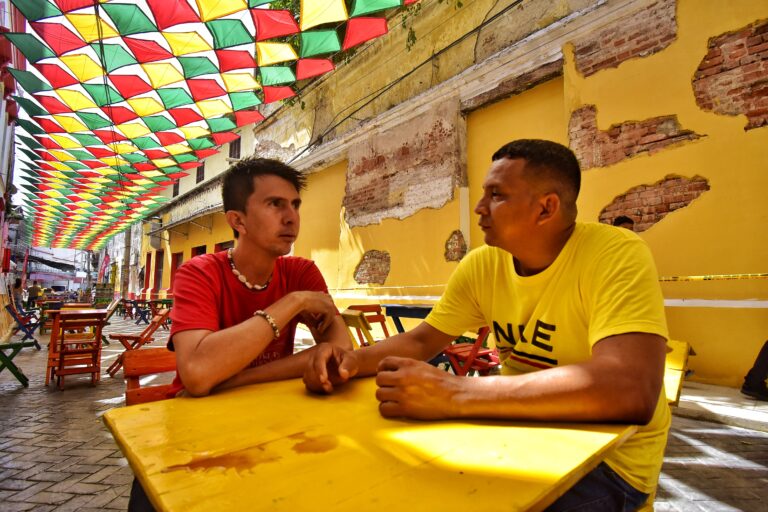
(317,309)
(415,389)
(329,366)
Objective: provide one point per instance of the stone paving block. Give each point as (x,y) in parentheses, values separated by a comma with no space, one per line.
(8,473)
(11,463)
(75,504)
(49,498)
(102,474)
(85,488)
(30,491)
(17,507)
(100,500)
(124,477)
(34,470)
(119,503)
(14,484)
(49,476)
(84,468)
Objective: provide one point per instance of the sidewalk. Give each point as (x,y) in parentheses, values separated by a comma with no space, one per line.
(722,405)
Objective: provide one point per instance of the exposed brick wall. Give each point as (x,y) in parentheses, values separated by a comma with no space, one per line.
(373,268)
(455,246)
(732,78)
(397,172)
(595,148)
(641,34)
(648,204)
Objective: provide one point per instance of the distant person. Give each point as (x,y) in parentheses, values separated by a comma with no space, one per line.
(577,315)
(625,222)
(33,294)
(17,294)
(754,382)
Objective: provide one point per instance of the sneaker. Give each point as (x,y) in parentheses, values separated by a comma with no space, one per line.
(757,392)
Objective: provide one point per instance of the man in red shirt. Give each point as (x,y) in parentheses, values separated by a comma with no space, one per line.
(235,312)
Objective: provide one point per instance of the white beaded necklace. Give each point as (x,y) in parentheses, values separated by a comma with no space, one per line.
(243,279)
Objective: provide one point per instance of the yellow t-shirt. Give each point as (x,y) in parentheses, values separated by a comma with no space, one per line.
(603,283)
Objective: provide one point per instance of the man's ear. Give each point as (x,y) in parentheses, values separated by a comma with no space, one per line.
(235,220)
(549,206)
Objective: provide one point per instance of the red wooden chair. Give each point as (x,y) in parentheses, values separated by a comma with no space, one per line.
(466,357)
(134,341)
(373,315)
(142,362)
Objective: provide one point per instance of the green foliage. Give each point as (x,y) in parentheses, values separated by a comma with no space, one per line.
(411,12)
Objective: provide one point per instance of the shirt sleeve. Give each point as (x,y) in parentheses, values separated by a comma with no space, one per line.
(458,310)
(195,301)
(624,295)
(307,276)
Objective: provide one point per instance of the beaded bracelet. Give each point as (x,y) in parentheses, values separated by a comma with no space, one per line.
(271,321)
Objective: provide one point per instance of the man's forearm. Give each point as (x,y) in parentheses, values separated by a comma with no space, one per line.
(567,393)
(422,343)
(292,366)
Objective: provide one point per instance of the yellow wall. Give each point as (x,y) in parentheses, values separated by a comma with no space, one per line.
(320,221)
(535,114)
(416,244)
(721,232)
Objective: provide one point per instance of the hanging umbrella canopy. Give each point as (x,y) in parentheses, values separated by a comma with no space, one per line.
(124,96)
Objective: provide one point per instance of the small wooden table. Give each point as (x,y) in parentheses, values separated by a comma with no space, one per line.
(398,311)
(276,447)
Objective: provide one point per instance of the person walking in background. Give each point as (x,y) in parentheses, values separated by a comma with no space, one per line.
(17,294)
(33,294)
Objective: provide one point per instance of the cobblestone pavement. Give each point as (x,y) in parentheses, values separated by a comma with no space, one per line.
(56,454)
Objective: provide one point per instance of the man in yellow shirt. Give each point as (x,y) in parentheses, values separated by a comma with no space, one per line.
(577,314)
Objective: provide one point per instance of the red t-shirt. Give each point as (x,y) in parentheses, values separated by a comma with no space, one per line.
(207,295)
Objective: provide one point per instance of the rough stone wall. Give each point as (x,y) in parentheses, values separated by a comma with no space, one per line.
(373,268)
(595,148)
(648,204)
(402,170)
(732,79)
(644,33)
(455,246)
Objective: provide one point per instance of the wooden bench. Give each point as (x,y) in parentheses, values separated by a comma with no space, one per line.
(146,361)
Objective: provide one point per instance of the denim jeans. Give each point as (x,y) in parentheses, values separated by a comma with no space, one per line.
(601,490)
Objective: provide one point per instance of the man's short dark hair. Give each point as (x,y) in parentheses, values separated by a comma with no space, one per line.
(546,159)
(238,183)
(623,219)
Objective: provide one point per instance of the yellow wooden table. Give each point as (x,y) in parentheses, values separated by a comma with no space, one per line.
(276,447)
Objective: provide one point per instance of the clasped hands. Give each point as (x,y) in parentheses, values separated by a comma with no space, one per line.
(406,387)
